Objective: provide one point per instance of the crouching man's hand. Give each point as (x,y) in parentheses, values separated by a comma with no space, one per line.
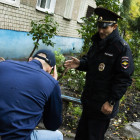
(55,75)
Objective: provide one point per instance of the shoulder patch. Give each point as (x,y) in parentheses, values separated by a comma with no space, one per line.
(125,62)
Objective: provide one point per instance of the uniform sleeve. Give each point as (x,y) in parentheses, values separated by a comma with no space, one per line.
(84,61)
(52,116)
(123,71)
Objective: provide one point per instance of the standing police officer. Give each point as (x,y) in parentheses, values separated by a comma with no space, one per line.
(109,67)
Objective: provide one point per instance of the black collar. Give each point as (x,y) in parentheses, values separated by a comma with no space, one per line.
(102,43)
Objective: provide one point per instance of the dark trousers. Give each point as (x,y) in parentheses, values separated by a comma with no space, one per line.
(91,129)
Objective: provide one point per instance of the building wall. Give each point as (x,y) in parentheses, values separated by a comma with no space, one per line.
(19,19)
(15,44)
(16,20)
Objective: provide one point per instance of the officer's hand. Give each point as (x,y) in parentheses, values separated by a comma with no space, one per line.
(73,63)
(106,108)
(55,75)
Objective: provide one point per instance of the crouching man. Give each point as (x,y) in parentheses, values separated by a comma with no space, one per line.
(29,91)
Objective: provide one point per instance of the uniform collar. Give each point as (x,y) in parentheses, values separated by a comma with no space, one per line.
(105,42)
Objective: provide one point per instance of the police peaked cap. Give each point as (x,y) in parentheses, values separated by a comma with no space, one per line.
(50,57)
(106,17)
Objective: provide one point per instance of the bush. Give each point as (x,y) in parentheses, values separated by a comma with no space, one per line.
(73,79)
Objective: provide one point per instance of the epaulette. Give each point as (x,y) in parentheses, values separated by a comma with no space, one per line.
(120,45)
(123,42)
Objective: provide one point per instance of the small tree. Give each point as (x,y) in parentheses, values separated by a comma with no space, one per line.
(87,30)
(43,30)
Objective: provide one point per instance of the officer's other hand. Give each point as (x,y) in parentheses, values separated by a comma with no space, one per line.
(73,63)
(106,108)
(54,74)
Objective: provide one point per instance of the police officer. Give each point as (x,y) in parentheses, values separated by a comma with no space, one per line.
(109,67)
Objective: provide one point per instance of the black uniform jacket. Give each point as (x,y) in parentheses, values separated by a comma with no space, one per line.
(109,67)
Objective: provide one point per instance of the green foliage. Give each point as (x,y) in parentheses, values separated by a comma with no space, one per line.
(135,10)
(134,24)
(74,113)
(113,5)
(74,80)
(123,117)
(134,43)
(137,72)
(77,111)
(60,59)
(137,83)
(88,29)
(44,30)
(123,99)
(130,29)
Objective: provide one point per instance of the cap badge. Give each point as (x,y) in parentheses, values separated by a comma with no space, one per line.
(100,18)
(101,66)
